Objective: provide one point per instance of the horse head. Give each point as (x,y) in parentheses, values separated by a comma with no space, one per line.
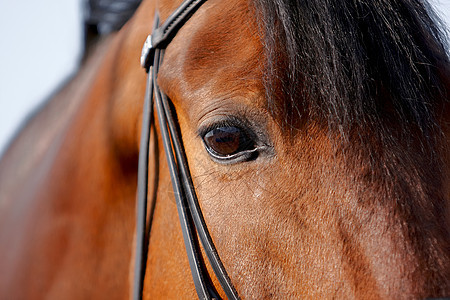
(314,136)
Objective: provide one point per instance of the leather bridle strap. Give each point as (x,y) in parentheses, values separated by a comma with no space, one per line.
(204,289)
(187,204)
(141,214)
(163,35)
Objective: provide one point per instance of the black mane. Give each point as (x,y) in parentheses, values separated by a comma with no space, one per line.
(340,60)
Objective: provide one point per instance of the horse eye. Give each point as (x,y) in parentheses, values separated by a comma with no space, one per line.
(228,142)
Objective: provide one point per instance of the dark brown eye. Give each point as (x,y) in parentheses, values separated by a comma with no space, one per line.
(227,142)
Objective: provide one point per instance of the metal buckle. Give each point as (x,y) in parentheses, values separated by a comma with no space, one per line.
(147,53)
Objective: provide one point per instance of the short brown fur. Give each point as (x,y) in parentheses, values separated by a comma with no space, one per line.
(315,216)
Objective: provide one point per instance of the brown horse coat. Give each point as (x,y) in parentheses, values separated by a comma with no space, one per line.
(310,217)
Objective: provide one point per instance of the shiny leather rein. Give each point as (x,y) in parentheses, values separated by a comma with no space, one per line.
(189,212)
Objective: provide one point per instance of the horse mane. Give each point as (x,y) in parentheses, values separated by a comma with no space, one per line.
(339,61)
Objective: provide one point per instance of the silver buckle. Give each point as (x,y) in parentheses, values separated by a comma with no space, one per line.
(146,49)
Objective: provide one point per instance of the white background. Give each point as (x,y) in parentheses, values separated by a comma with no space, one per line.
(40,46)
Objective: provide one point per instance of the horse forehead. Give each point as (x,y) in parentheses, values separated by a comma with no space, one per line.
(218,51)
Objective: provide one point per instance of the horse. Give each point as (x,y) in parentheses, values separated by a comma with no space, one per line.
(316,134)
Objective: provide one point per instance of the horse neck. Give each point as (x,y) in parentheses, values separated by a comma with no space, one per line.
(74,172)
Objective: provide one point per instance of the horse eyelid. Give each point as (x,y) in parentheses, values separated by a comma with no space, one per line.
(235,158)
(228,122)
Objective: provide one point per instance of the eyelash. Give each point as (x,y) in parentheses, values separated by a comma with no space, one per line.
(228,122)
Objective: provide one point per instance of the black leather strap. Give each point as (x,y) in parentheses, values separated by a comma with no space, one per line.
(162,36)
(141,210)
(194,208)
(182,206)
(189,211)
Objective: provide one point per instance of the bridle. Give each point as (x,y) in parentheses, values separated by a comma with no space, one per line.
(189,212)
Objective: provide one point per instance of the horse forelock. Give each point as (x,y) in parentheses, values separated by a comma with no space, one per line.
(353,62)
